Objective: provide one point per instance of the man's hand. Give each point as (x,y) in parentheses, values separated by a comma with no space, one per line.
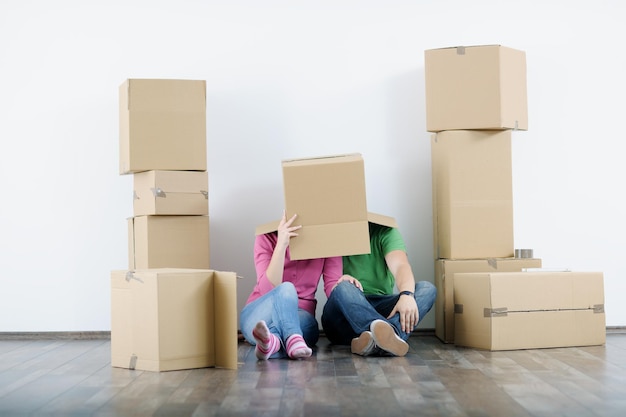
(409,314)
(351,280)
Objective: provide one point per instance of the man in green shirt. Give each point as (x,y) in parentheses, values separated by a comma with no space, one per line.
(363,311)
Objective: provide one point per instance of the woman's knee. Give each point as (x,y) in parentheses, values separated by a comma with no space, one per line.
(286,289)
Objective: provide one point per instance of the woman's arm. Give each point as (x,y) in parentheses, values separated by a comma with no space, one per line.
(272,267)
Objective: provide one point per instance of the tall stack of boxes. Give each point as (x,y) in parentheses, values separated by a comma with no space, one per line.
(169,310)
(163,144)
(475,101)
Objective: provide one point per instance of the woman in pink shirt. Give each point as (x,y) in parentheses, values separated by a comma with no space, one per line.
(279,316)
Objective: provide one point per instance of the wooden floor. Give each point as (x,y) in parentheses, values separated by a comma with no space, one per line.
(75,378)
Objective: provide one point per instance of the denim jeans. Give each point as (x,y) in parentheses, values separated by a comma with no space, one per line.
(279,309)
(348,312)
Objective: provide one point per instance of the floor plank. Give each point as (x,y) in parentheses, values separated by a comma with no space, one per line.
(75,378)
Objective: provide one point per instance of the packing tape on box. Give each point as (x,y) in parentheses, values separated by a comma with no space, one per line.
(496,312)
(131,275)
(460,50)
(158,192)
(523,253)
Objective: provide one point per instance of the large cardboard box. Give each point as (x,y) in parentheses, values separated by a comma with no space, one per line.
(168,242)
(528,310)
(171,193)
(328,195)
(162,125)
(472,189)
(171,319)
(446,269)
(475,87)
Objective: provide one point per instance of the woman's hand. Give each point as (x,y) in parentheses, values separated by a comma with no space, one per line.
(286,231)
(276,266)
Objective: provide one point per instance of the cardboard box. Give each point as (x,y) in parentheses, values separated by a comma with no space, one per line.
(446,269)
(172,319)
(162,125)
(168,242)
(328,195)
(475,87)
(171,193)
(472,189)
(528,310)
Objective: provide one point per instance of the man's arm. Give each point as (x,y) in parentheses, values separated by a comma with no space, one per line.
(398,264)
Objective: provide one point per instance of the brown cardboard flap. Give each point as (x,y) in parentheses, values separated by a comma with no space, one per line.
(371,217)
(267,227)
(225,310)
(381,219)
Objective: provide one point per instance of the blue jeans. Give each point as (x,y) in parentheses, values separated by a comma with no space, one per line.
(348,312)
(279,309)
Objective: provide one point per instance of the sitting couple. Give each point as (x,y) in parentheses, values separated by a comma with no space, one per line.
(361,310)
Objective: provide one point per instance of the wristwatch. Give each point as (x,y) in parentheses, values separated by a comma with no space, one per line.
(409,293)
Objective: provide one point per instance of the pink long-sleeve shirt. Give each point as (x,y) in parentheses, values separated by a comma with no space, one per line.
(304,274)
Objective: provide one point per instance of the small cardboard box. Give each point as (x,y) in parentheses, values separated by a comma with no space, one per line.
(528,310)
(328,195)
(168,242)
(445,270)
(162,125)
(475,87)
(171,193)
(172,319)
(472,190)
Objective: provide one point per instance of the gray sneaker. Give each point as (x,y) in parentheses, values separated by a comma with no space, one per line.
(385,338)
(363,345)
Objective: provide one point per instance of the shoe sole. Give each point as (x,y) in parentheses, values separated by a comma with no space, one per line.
(363,345)
(386,338)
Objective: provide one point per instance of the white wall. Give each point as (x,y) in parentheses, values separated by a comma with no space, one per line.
(291,79)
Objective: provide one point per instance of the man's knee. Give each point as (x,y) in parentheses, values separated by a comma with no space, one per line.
(345,288)
(425,288)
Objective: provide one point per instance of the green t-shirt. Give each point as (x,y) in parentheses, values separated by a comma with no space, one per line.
(371,269)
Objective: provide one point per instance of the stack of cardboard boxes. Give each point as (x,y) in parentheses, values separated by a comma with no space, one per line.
(487,298)
(163,143)
(169,310)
